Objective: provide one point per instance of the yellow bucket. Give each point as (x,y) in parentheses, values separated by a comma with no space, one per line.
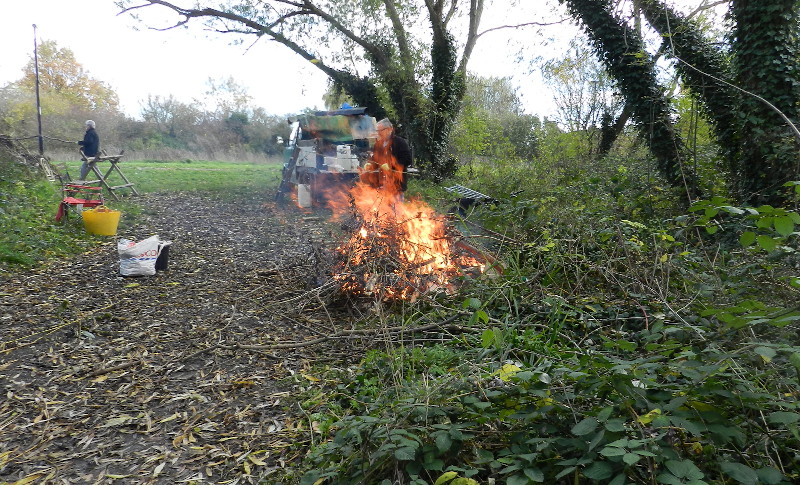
(101,220)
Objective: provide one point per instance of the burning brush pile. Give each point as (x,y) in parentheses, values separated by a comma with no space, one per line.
(396,249)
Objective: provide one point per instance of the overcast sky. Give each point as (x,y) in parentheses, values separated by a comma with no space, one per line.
(179,62)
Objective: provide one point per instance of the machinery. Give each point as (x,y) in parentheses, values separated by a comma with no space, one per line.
(325,149)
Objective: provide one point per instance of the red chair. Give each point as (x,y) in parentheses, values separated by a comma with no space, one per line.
(79,197)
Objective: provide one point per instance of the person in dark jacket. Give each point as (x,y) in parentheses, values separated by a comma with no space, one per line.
(390,160)
(90,145)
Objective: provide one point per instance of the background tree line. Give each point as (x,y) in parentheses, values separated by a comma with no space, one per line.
(226,125)
(223,126)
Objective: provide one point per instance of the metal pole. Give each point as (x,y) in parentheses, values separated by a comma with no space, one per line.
(38,103)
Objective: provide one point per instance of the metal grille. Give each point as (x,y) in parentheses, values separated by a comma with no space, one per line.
(467,192)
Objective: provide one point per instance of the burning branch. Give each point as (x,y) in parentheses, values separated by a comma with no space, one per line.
(397,250)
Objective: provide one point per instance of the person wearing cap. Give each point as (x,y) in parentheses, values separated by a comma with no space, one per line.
(90,145)
(390,158)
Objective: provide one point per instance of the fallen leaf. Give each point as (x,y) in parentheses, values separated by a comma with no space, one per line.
(28,479)
(118,421)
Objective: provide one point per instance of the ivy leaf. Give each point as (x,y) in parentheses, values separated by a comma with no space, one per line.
(669,479)
(684,469)
(613,451)
(769,475)
(517,480)
(767,243)
(446,477)
(534,474)
(740,472)
(508,371)
(649,417)
(630,458)
(487,338)
(616,425)
(795,361)
(784,225)
(605,413)
(618,480)
(473,303)
(404,453)
(443,442)
(783,417)
(766,353)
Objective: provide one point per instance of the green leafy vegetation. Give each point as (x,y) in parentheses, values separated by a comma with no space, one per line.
(625,342)
(28,203)
(28,206)
(634,335)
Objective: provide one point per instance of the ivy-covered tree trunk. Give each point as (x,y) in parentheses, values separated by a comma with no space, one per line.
(429,119)
(447,91)
(623,52)
(703,66)
(765,54)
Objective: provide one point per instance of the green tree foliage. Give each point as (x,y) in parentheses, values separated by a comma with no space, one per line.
(368,50)
(735,87)
(171,121)
(702,60)
(491,122)
(67,91)
(64,79)
(229,123)
(583,90)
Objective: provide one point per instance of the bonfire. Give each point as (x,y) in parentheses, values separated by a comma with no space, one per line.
(396,249)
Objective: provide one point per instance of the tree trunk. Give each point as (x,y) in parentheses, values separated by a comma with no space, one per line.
(765,54)
(704,70)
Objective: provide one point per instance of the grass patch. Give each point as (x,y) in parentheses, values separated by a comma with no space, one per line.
(27,213)
(28,202)
(222,179)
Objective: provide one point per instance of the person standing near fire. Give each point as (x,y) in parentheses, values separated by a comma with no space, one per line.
(390,161)
(90,146)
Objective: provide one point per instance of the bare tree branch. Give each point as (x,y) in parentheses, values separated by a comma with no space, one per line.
(706,6)
(526,24)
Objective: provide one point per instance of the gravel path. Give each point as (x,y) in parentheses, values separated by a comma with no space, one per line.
(140,380)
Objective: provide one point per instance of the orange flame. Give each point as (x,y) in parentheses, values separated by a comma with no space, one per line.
(407,231)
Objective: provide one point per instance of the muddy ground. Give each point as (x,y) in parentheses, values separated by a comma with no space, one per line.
(172,378)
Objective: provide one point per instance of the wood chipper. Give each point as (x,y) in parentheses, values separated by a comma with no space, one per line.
(325,151)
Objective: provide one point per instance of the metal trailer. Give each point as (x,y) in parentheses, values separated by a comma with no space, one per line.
(324,149)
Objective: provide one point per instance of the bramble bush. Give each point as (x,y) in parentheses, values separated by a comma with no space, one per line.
(625,342)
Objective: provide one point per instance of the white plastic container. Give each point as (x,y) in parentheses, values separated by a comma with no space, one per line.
(307,157)
(304,195)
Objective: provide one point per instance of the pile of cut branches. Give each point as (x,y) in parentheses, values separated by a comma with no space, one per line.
(380,258)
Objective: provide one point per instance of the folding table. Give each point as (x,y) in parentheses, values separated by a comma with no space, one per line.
(102,179)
